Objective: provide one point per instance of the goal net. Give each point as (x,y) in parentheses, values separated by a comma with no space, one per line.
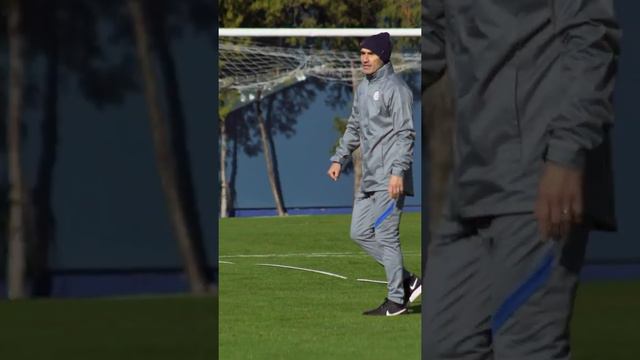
(247,63)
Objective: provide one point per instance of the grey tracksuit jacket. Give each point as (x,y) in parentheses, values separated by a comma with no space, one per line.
(381,123)
(533,82)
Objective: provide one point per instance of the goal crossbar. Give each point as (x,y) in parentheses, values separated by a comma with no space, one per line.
(316,32)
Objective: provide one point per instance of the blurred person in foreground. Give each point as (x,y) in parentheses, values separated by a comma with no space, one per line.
(381,124)
(532,86)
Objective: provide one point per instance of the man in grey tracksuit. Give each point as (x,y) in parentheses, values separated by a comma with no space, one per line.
(533,83)
(381,124)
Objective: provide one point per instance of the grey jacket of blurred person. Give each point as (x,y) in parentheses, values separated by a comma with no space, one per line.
(381,123)
(533,82)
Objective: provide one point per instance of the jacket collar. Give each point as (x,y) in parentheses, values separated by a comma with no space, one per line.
(384,71)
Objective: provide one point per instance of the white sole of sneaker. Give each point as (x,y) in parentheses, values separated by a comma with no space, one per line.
(415,294)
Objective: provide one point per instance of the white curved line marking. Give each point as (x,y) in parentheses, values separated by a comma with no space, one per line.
(373,281)
(344,254)
(225,262)
(303,269)
(293,255)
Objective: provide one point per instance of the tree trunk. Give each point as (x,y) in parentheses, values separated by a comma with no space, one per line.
(268,157)
(16,248)
(224,186)
(178,128)
(165,158)
(272,146)
(231,184)
(43,218)
(438,113)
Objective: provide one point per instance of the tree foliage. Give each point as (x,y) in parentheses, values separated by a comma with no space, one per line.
(322,14)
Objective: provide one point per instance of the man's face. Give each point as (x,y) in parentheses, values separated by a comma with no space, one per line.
(370,61)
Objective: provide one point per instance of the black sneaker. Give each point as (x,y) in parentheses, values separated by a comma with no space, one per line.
(388,308)
(412,289)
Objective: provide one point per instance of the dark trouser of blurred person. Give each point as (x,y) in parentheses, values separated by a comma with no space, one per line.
(495,290)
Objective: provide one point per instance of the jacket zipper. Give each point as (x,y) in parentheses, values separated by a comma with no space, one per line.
(515,91)
(552,8)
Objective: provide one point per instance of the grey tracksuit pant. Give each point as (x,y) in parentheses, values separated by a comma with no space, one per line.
(493,290)
(375,226)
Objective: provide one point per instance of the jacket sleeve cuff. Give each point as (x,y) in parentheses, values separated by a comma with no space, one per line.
(397,172)
(339,160)
(565,154)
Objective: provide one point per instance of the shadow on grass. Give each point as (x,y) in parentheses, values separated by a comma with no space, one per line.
(415,309)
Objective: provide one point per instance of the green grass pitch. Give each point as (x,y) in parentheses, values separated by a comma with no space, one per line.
(134,328)
(273,313)
(276,313)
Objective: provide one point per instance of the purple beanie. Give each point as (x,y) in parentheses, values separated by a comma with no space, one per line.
(379,44)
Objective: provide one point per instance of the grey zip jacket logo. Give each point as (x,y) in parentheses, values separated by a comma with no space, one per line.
(533,83)
(381,123)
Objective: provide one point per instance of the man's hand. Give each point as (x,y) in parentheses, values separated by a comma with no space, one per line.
(334,171)
(395,186)
(559,204)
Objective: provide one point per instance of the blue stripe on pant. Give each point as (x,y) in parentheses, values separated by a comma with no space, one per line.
(523,293)
(384,215)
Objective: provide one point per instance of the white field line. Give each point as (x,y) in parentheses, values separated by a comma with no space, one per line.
(326,254)
(304,269)
(311,270)
(372,281)
(329,254)
(275,218)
